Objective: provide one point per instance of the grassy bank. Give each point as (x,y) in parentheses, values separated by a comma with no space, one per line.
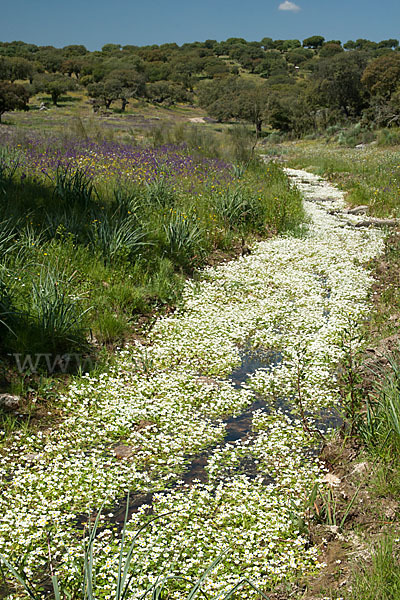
(95,235)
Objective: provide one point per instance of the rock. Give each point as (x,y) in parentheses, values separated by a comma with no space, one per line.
(391,509)
(358,210)
(331,479)
(207,381)
(10,402)
(333,530)
(31,457)
(360,468)
(376,223)
(143,424)
(123,452)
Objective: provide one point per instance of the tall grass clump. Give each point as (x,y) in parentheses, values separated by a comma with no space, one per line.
(74,186)
(10,161)
(240,144)
(184,239)
(7,237)
(44,317)
(197,139)
(126,199)
(239,209)
(6,309)
(379,425)
(159,193)
(117,238)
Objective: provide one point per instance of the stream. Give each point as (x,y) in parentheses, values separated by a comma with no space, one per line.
(204,426)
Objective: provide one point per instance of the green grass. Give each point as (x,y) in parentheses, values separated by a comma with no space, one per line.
(379,425)
(380,580)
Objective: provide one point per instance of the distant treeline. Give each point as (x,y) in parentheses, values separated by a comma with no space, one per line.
(287,85)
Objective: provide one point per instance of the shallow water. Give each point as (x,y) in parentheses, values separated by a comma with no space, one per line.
(238,428)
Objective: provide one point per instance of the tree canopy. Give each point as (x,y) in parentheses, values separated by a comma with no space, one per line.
(12,96)
(285,83)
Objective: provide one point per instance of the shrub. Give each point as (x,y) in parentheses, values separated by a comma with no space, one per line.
(389,137)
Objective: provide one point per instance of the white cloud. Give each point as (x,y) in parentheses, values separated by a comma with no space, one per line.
(287,5)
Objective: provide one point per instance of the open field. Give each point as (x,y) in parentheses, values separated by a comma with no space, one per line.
(74,113)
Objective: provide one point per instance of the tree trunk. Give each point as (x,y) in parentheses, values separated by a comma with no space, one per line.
(124,102)
(54,97)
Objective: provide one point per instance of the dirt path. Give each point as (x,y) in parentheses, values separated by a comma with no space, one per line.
(282,315)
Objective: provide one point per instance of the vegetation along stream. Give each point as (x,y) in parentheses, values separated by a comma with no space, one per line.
(207,425)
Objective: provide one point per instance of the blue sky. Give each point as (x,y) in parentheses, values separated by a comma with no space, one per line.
(97,22)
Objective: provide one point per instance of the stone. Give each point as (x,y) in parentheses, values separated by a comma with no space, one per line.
(377,223)
(391,509)
(358,210)
(331,479)
(31,457)
(143,424)
(360,468)
(207,381)
(123,452)
(10,402)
